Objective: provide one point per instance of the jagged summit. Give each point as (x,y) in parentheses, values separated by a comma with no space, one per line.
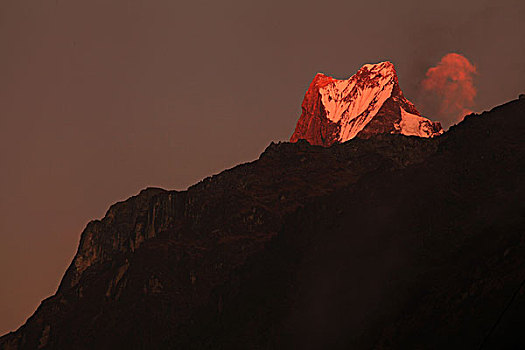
(369,102)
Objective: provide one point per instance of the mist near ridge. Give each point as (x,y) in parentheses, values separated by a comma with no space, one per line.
(448,89)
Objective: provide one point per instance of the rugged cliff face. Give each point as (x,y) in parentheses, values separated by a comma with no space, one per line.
(368,103)
(386,242)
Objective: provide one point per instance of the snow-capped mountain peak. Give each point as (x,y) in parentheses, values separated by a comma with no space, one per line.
(369,102)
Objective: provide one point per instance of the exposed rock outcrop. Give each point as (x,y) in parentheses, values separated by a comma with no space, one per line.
(368,103)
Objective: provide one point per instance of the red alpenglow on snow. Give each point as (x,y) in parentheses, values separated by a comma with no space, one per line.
(368,103)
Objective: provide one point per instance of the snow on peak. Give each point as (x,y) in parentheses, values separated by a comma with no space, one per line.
(415,125)
(354,102)
(369,102)
(384,67)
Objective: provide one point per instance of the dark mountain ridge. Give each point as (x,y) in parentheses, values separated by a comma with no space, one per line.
(385,242)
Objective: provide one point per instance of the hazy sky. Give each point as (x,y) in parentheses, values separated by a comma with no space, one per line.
(100,99)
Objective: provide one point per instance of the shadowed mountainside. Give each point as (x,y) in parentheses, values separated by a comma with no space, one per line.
(386,242)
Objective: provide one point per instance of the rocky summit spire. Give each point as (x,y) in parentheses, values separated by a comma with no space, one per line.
(370,102)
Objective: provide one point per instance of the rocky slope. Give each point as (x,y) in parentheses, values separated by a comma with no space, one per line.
(368,103)
(386,242)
